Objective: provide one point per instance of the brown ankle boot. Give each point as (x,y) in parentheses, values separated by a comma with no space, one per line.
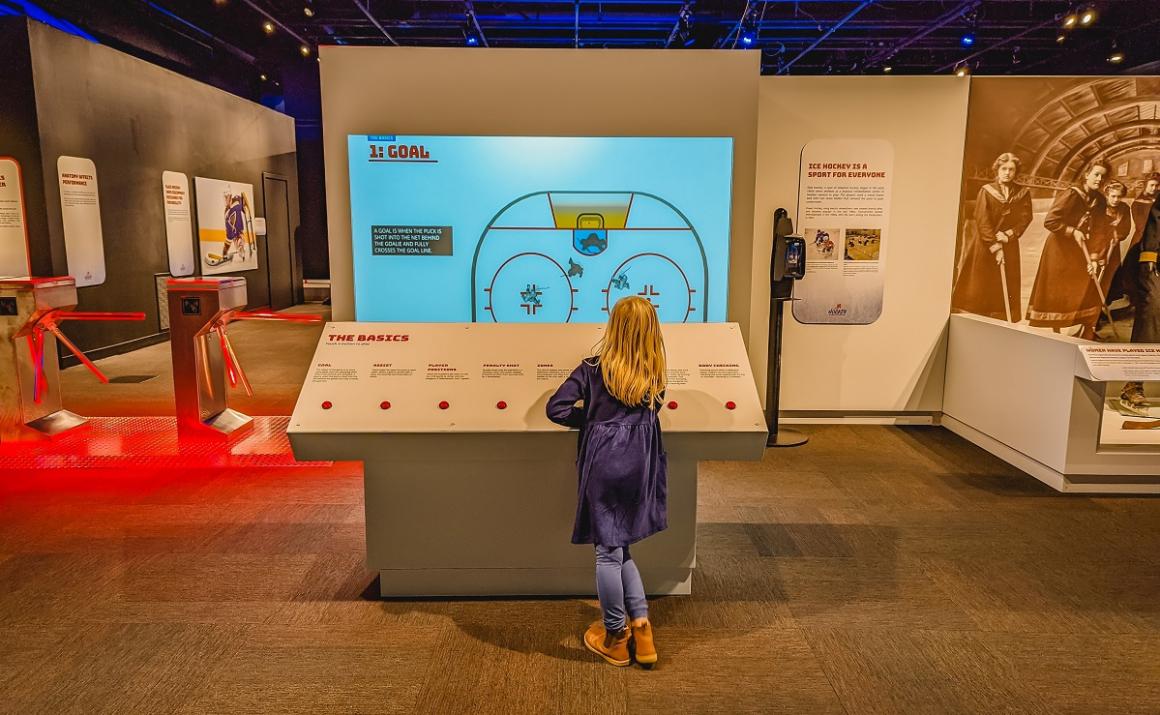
(646,650)
(612,647)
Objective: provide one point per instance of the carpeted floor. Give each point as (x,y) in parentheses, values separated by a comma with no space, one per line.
(875,570)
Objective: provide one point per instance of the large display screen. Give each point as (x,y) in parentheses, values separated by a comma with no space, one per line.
(538,229)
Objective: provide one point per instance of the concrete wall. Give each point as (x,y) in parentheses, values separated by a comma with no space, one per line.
(136,120)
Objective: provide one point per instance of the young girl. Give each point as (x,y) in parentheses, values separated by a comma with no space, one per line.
(622,469)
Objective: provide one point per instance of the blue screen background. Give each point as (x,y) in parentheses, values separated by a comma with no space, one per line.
(543,229)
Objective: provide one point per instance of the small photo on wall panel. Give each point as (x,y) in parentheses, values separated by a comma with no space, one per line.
(178,222)
(13,229)
(80,209)
(225,226)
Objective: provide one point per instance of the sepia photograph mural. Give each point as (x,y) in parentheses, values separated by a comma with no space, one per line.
(1059,177)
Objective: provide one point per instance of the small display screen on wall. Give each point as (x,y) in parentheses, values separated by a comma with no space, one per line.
(538,229)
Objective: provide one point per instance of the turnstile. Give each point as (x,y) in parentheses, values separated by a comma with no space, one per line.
(205,364)
(31,311)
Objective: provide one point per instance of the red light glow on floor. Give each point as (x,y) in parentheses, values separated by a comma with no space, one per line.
(152,442)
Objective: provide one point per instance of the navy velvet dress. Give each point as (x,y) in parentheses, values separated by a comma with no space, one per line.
(621,462)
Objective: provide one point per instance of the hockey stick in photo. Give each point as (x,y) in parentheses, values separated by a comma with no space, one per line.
(1003,279)
(1104,306)
(1100,292)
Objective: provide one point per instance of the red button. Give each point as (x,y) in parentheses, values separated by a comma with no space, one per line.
(730,405)
(501,405)
(444,405)
(327,405)
(672,405)
(384,405)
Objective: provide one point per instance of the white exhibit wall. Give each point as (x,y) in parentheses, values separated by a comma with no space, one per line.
(528,92)
(897,363)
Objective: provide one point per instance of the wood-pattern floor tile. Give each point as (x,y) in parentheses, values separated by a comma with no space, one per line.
(716,670)
(877,671)
(1083,674)
(312,679)
(864,593)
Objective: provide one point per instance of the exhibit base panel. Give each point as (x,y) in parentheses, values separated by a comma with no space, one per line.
(1041,409)
(1072,484)
(469,489)
(469,528)
(413,583)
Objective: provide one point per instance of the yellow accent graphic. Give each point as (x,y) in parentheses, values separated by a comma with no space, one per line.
(593,211)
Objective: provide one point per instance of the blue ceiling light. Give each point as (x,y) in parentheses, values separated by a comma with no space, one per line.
(967,40)
(34,11)
(472,39)
(748,37)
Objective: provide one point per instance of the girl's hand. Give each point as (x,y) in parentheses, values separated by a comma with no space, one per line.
(1078,235)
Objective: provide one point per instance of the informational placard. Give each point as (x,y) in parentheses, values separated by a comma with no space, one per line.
(178,222)
(843,212)
(1107,362)
(225,226)
(483,377)
(13,229)
(80,207)
(493,229)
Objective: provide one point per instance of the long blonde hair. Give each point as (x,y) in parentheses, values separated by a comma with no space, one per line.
(632,353)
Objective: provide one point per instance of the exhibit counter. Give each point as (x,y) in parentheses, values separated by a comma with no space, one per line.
(470,490)
(1040,401)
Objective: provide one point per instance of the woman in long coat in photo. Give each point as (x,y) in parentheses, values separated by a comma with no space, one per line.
(1065,291)
(1002,215)
(1119,227)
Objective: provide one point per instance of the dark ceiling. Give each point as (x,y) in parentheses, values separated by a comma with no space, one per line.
(224,42)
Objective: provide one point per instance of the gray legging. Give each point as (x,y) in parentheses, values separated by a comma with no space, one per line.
(619,586)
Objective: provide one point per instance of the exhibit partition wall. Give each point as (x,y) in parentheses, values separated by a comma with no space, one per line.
(530,144)
(115,155)
(869,169)
(1054,356)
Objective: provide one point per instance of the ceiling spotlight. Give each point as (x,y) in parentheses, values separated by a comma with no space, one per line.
(1070,20)
(1060,38)
(967,40)
(748,37)
(887,69)
(1087,17)
(308,11)
(1116,56)
(221,3)
(304,50)
(268,27)
(263,77)
(962,70)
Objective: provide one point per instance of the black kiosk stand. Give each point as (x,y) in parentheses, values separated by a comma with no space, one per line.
(787,264)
